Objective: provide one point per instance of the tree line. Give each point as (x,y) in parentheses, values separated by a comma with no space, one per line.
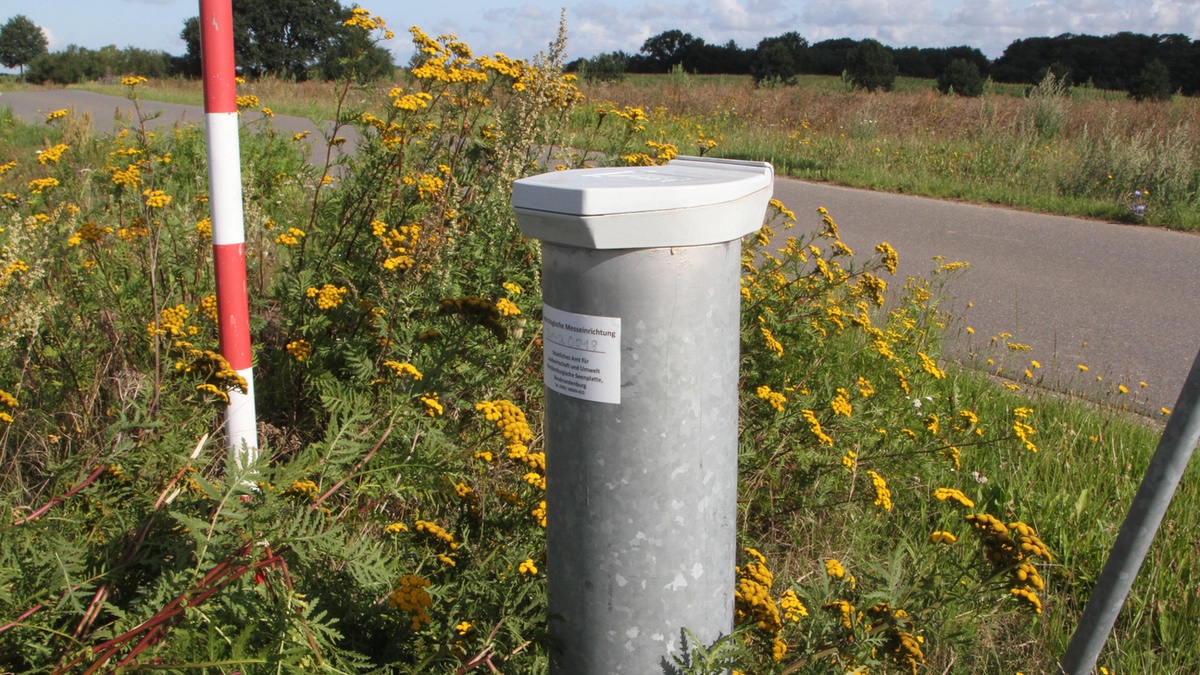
(303,39)
(1123,61)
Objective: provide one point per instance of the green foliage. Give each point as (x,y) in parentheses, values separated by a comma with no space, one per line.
(21,41)
(80,64)
(779,59)
(1152,84)
(607,67)
(870,66)
(1047,105)
(145,543)
(295,39)
(962,77)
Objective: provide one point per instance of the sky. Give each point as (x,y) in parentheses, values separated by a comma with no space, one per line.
(522,29)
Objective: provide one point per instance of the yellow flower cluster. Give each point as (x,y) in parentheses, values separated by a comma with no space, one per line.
(131,175)
(956,496)
(845,609)
(11,270)
(1012,547)
(539,513)
(1022,429)
(57,114)
(434,530)
(507,307)
(433,407)
(527,567)
(883,496)
(412,597)
(328,296)
(841,403)
(291,237)
(833,567)
(52,154)
(906,649)
(156,198)
(89,231)
(405,368)
(204,228)
(361,18)
(10,401)
(304,488)
(208,307)
(299,349)
(752,595)
(815,427)
(246,102)
(133,80)
(409,102)
(782,210)
(38,184)
(774,398)
(891,259)
(172,320)
(876,287)
(395,528)
(772,344)
(793,609)
(220,375)
(940,537)
(930,366)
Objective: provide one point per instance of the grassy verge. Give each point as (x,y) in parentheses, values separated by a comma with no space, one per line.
(1075,152)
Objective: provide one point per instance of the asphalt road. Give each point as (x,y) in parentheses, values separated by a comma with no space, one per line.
(1120,299)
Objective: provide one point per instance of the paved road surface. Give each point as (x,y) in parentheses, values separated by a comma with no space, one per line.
(1123,300)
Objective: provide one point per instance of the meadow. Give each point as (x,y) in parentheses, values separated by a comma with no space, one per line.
(897,513)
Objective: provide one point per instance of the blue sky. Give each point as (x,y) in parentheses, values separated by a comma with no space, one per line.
(521,29)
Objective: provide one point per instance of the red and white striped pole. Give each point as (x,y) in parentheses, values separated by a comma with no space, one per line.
(228,230)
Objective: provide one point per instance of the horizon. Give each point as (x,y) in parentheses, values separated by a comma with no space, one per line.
(599,26)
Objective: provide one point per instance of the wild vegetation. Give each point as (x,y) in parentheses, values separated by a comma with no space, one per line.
(897,512)
(1048,148)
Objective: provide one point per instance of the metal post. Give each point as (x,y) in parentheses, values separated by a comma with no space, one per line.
(228,230)
(641,343)
(1137,533)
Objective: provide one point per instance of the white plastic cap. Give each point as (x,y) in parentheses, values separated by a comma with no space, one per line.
(691,201)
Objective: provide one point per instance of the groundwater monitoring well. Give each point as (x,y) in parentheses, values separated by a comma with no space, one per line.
(641,322)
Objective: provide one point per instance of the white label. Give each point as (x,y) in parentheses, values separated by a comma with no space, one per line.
(581,355)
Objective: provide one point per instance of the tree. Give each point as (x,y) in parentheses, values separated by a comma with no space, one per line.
(277,37)
(962,77)
(607,67)
(870,66)
(1152,84)
(669,48)
(21,41)
(779,59)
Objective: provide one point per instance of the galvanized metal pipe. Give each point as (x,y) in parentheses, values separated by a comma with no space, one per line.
(641,496)
(1137,533)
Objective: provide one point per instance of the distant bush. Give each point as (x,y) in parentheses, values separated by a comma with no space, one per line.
(870,66)
(80,64)
(1152,84)
(962,77)
(779,59)
(608,67)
